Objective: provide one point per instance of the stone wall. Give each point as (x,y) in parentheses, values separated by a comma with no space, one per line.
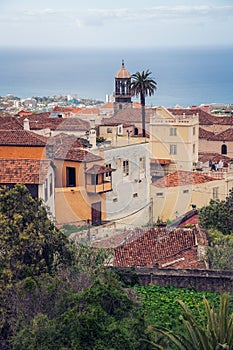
(200,280)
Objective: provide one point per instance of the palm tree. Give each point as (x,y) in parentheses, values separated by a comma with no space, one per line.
(216,334)
(142,85)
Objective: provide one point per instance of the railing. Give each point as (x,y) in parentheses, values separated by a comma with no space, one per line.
(98,188)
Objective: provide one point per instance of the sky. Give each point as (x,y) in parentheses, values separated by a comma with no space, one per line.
(114,24)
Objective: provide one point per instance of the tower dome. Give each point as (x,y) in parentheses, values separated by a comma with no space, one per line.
(123,73)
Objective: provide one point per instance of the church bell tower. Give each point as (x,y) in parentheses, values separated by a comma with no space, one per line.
(122,89)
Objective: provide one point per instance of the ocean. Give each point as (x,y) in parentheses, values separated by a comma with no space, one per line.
(184,76)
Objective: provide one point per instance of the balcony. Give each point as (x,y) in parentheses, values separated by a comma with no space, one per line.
(99,179)
(99,188)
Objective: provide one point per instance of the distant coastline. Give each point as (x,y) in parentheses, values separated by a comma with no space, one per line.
(185,76)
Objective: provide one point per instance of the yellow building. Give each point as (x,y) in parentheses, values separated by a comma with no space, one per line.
(174,142)
(81,183)
(176,193)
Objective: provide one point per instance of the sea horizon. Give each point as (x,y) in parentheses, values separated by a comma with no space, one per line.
(184,76)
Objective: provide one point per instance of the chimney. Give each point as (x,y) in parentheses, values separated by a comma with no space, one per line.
(26,125)
(92,134)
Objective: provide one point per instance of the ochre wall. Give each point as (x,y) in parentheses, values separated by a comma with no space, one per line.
(73,205)
(22,152)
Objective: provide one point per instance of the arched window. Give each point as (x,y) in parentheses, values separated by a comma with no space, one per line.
(224,149)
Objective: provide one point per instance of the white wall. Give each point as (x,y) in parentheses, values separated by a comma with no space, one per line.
(130,193)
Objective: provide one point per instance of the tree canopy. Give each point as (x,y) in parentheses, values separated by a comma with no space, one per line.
(55,294)
(30,244)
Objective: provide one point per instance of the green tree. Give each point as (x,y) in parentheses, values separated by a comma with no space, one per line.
(214,334)
(218,215)
(143,85)
(30,244)
(101,317)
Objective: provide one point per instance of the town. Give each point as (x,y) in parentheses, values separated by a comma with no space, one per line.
(129,185)
(106,180)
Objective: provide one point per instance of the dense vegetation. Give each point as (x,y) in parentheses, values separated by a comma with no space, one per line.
(57,295)
(217,219)
(54,294)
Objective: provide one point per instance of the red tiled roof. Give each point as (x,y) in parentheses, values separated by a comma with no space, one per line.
(157,246)
(21,138)
(160,161)
(205,118)
(24,113)
(88,111)
(214,157)
(10,123)
(27,171)
(108,105)
(43,120)
(68,147)
(129,115)
(99,169)
(226,135)
(182,178)
(204,134)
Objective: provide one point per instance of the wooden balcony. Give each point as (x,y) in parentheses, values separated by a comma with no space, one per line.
(99,188)
(99,179)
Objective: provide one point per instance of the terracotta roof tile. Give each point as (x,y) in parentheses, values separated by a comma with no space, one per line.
(204,134)
(43,120)
(129,115)
(157,246)
(226,135)
(21,138)
(182,178)
(69,147)
(87,111)
(99,169)
(214,157)
(27,171)
(10,123)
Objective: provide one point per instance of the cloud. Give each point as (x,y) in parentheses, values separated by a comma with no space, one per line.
(101,16)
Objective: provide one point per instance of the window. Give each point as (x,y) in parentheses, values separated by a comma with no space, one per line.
(194,148)
(224,149)
(94,179)
(194,130)
(50,184)
(159,194)
(185,191)
(115,200)
(173,131)
(173,149)
(142,166)
(108,175)
(215,193)
(46,190)
(109,130)
(125,167)
(70,177)
(135,195)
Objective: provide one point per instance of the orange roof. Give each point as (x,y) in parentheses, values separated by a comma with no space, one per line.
(27,171)
(108,105)
(24,112)
(89,111)
(182,178)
